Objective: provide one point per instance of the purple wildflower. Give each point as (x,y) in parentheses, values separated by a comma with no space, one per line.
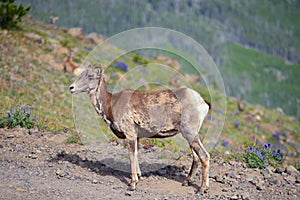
(88,48)
(250,148)
(257,150)
(276,135)
(12,110)
(8,114)
(269,145)
(279,151)
(236,123)
(122,65)
(265,146)
(226,143)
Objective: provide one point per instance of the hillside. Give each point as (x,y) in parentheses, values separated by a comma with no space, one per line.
(231,31)
(31,73)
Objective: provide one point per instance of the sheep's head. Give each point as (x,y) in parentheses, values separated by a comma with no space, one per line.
(87,80)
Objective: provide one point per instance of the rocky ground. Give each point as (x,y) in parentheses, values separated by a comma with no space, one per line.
(40,165)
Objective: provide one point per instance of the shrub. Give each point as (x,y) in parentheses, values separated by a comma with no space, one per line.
(297,165)
(139,60)
(11,14)
(73,139)
(20,116)
(261,157)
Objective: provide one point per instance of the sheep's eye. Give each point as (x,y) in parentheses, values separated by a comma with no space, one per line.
(91,76)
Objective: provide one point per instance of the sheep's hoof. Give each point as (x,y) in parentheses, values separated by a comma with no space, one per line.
(139,176)
(202,190)
(132,186)
(187,182)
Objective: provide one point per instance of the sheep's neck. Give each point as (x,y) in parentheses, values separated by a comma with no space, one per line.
(101,100)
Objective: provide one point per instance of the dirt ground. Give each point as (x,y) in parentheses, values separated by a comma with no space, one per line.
(39,165)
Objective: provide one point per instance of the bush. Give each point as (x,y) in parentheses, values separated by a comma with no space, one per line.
(20,116)
(297,165)
(73,139)
(261,157)
(11,14)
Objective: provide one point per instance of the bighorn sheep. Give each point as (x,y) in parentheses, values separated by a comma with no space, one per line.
(133,114)
(69,65)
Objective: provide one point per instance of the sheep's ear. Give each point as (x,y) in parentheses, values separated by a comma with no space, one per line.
(98,69)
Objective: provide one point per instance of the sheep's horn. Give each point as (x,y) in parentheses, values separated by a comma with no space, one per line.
(97,65)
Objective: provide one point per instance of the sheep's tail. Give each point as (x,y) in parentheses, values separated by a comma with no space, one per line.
(208,103)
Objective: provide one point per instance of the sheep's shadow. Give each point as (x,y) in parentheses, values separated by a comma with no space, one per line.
(101,167)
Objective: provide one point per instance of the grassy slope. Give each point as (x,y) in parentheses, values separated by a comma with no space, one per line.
(28,77)
(261,78)
(269,26)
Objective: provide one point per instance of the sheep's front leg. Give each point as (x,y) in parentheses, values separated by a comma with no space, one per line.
(138,170)
(134,163)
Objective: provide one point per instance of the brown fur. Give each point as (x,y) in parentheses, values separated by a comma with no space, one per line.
(69,65)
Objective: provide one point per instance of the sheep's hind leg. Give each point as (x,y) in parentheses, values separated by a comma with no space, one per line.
(204,156)
(193,169)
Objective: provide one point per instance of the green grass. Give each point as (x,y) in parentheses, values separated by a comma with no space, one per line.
(261,78)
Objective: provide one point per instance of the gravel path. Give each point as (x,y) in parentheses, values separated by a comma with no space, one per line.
(37,165)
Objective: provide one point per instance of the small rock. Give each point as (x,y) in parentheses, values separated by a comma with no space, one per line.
(264,172)
(270,169)
(21,190)
(260,187)
(76,32)
(279,170)
(33,131)
(219,178)
(127,193)
(234,197)
(32,156)
(10,136)
(273,181)
(95,181)
(34,37)
(59,172)
(94,38)
(63,174)
(111,181)
(252,179)
(224,190)
(298,179)
(290,179)
(118,188)
(61,153)
(291,170)
(245,196)
(213,175)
